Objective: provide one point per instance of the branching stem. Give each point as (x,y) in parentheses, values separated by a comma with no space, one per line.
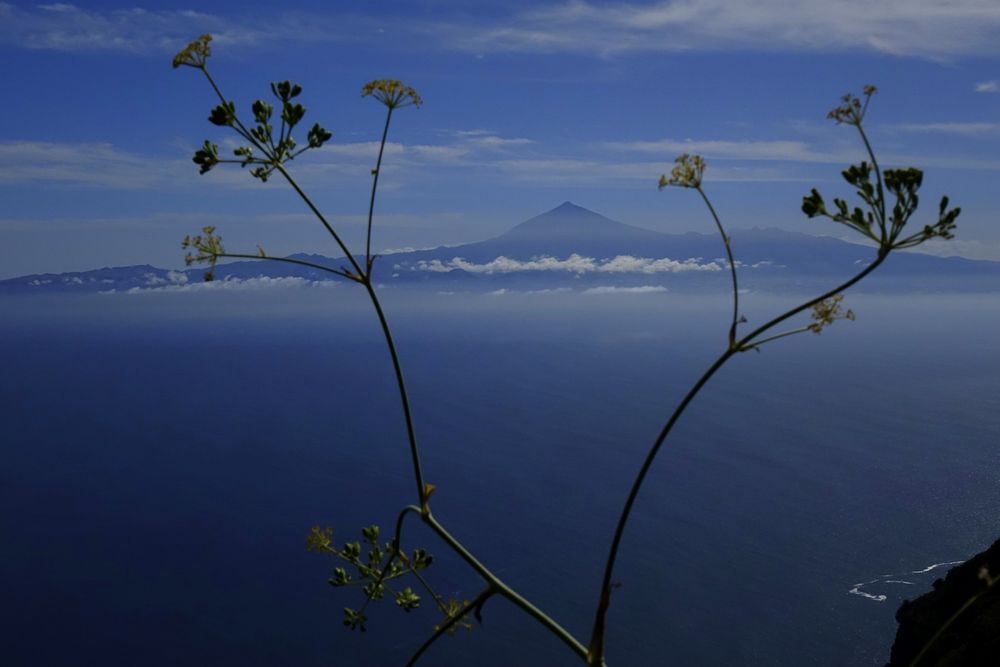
(322,219)
(596,651)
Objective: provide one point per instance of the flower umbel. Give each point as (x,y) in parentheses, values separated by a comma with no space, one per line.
(392,93)
(209,249)
(853,109)
(452,609)
(195,54)
(687,173)
(827,311)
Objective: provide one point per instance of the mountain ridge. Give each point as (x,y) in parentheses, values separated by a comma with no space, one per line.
(571,245)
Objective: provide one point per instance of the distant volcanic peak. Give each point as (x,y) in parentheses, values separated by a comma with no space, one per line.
(570,220)
(568,206)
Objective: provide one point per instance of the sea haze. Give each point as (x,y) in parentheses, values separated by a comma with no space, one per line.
(165,453)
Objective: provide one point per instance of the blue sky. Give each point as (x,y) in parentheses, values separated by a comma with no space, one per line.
(526,105)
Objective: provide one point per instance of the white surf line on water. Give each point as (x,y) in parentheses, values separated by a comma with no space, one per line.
(857,589)
(937,565)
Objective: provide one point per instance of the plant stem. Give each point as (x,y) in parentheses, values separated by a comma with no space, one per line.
(880,211)
(503,589)
(240,127)
(496,586)
(748,339)
(316,212)
(732,266)
(758,343)
(403,395)
(290,260)
(596,653)
(371,203)
(397,545)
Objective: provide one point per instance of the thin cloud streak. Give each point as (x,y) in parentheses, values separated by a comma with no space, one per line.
(69,28)
(921,28)
(793,151)
(966,129)
(85,164)
(575,263)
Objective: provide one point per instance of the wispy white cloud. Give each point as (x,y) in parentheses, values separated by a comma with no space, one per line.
(174,284)
(67,27)
(611,289)
(88,164)
(604,171)
(575,263)
(988,86)
(514,160)
(923,28)
(798,151)
(968,129)
(988,250)
(494,141)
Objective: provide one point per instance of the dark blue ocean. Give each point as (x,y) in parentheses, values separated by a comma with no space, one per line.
(165,453)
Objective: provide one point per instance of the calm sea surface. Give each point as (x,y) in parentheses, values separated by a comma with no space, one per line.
(165,453)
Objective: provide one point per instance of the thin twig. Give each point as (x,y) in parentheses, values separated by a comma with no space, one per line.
(401,383)
(291,260)
(371,203)
(732,266)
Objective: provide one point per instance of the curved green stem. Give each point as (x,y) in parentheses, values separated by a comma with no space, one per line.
(732,266)
(505,590)
(596,652)
(290,260)
(757,344)
(748,339)
(403,395)
(371,203)
(880,211)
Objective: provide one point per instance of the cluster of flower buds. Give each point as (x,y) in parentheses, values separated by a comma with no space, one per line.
(209,248)
(852,110)
(687,173)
